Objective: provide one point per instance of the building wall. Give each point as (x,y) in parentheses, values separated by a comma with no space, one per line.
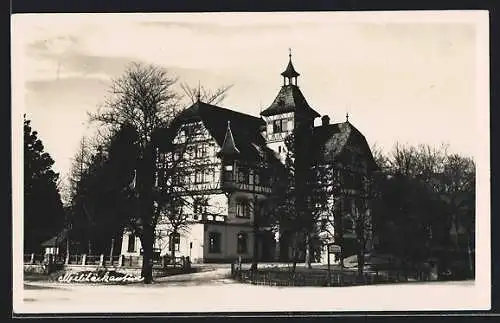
(191,243)
(229,235)
(125,240)
(276,141)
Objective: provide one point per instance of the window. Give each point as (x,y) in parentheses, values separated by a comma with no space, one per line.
(177,153)
(280,125)
(242,209)
(256,178)
(199,176)
(243,174)
(200,151)
(228,172)
(277,126)
(174,242)
(214,242)
(131,243)
(190,129)
(179,180)
(241,242)
(199,207)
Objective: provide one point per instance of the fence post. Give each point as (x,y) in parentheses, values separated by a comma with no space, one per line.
(163,261)
(120,260)
(32,258)
(84,259)
(66,261)
(101,260)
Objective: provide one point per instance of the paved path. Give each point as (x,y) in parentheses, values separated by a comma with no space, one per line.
(208,276)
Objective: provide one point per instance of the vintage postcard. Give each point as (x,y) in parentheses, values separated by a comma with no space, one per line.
(251,162)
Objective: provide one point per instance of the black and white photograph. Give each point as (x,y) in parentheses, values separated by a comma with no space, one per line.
(250,162)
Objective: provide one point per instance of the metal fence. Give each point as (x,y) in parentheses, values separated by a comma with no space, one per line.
(322,278)
(101,260)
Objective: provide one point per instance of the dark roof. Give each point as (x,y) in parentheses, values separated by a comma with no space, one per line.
(229,148)
(56,240)
(330,142)
(290,99)
(245,129)
(290,70)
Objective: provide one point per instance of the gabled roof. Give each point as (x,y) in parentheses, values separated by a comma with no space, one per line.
(330,142)
(290,99)
(245,129)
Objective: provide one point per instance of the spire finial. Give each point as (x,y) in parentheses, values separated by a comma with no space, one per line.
(198,96)
(290,53)
(347,116)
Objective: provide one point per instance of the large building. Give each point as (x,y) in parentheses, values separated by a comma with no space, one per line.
(228,165)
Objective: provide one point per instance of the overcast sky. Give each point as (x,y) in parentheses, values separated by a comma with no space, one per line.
(402,77)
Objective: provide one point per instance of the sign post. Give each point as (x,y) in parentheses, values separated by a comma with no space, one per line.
(335,249)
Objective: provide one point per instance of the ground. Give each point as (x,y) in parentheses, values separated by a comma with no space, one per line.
(212,291)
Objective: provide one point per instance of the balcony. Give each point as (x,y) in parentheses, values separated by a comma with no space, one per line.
(237,186)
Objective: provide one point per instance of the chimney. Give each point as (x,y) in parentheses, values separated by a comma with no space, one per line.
(325,120)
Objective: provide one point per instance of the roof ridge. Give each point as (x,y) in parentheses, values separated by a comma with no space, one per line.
(231,111)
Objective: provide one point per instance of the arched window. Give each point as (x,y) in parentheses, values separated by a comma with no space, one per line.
(241,242)
(214,240)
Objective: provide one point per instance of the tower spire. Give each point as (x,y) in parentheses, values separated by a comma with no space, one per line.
(290,73)
(228,148)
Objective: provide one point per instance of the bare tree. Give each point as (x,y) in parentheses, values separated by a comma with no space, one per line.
(430,193)
(144,99)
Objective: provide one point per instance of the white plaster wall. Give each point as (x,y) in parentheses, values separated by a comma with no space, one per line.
(218,204)
(194,235)
(124,249)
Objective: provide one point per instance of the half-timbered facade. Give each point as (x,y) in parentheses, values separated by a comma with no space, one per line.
(226,164)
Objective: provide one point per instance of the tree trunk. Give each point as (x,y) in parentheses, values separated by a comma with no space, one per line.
(147,255)
(308,251)
(295,255)
(255,256)
(470,260)
(67,245)
(361,261)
